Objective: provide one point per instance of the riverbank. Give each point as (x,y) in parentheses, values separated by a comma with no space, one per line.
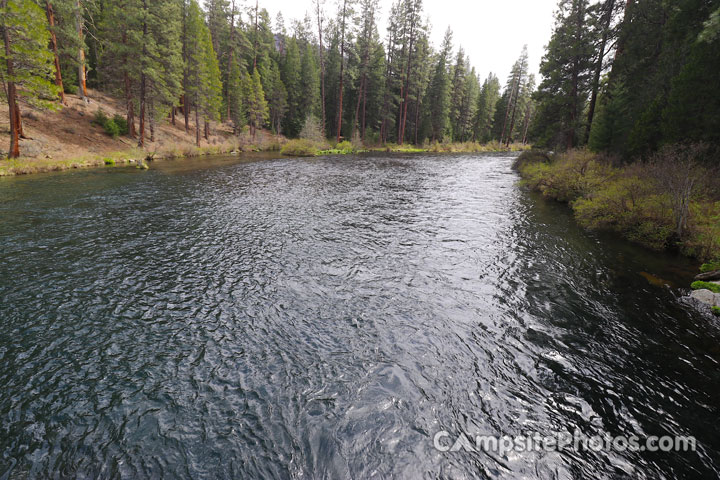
(309,148)
(72,138)
(667,203)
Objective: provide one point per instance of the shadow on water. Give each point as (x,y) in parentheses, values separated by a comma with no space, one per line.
(325,318)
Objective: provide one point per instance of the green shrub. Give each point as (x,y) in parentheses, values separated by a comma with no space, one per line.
(710,267)
(111,128)
(716,311)
(300,148)
(100,118)
(109,161)
(713,287)
(345,146)
(121,123)
(108,124)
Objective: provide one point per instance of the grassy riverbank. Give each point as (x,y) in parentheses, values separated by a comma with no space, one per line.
(671,201)
(309,148)
(72,137)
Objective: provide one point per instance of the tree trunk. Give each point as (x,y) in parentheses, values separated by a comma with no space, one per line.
(507,110)
(53,44)
(13,108)
(18,120)
(129,104)
(152,119)
(526,127)
(322,66)
(183,98)
(207,130)
(82,86)
(403,113)
(610,5)
(342,71)
(143,81)
(575,86)
(255,41)
(231,59)
(197,123)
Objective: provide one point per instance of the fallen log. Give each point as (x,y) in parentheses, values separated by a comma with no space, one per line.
(709,276)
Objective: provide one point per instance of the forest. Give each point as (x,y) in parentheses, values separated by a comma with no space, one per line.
(621,77)
(330,73)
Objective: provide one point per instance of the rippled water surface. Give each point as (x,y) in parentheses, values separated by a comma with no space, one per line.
(325,318)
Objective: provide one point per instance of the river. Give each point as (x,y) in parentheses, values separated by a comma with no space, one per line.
(326,318)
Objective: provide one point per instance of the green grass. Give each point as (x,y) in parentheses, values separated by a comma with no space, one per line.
(716,311)
(713,287)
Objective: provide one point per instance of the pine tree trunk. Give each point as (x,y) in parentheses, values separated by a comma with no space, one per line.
(53,44)
(141,133)
(129,104)
(207,130)
(152,120)
(255,42)
(507,110)
(231,59)
(610,5)
(403,115)
(18,120)
(82,86)
(183,98)
(13,109)
(197,123)
(342,72)
(322,67)
(143,81)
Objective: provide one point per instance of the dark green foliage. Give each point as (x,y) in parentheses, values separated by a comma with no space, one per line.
(716,311)
(121,123)
(710,266)
(108,124)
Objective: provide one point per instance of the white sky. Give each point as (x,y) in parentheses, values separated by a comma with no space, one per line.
(492,32)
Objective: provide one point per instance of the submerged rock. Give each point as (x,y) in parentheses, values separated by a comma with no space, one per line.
(707,297)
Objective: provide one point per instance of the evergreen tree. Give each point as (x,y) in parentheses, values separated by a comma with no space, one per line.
(291,78)
(485,111)
(439,92)
(26,63)
(258,112)
(566,69)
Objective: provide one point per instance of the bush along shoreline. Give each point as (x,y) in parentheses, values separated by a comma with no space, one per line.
(668,201)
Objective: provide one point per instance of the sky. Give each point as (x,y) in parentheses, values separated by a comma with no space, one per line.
(492,32)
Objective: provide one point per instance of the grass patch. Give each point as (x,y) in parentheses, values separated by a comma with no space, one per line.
(300,148)
(713,287)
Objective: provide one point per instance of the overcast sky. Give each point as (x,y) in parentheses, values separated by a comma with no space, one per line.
(492,32)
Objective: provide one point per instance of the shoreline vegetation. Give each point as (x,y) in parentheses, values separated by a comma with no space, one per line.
(139,157)
(669,201)
(26,166)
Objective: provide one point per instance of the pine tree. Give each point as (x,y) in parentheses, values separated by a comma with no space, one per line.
(566,70)
(439,92)
(485,112)
(258,112)
(26,63)
(291,78)
(277,98)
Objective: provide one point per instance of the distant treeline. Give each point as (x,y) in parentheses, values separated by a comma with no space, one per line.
(228,61)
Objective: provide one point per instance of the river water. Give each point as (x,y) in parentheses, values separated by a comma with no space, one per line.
(276,318)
